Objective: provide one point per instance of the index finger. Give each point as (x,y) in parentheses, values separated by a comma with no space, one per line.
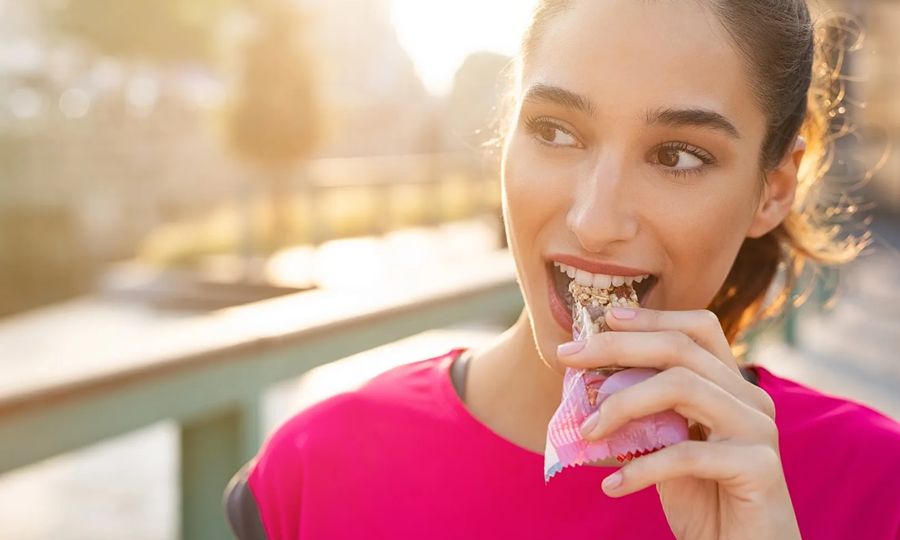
(702,326)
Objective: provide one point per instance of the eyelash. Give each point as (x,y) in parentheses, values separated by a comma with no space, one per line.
(699,153)
(535,125)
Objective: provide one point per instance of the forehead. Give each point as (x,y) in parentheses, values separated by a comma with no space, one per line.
(628,56)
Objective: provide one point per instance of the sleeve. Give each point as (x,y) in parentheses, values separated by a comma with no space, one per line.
(241,509)
(265,498)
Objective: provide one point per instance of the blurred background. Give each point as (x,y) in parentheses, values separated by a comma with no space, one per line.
(194,192)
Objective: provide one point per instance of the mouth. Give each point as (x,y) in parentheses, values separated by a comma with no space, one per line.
(561,299)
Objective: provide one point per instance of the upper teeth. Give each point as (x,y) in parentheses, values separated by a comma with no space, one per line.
(599,281)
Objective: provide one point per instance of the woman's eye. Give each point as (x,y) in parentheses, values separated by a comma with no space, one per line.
(678,159)
(681,158)
(550,133)
(557,136)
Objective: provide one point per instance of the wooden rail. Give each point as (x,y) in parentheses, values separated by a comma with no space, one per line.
(212,387)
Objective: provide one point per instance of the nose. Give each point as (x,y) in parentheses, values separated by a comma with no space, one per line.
(602,208)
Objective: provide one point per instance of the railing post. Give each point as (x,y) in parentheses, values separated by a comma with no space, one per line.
(213,448)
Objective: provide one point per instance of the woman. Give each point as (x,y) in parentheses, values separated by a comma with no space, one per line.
(671,139)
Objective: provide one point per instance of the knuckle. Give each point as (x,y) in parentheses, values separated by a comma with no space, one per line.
(767,458)
(688,452)
(603,344)
(765,402)
(681,380)
(681,342)
(709,319)
(770,431)
(679,374)
(603,339)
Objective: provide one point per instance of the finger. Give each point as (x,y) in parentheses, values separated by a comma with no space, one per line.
(702,326)
(663,350)
(732,466)
(689,395)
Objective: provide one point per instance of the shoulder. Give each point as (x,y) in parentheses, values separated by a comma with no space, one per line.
(840,461)
(405,391)
(818,429)
(345,431)
(408,389)
(805,411)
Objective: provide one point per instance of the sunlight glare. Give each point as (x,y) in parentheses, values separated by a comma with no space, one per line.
(438,35)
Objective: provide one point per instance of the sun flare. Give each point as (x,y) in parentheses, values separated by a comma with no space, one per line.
(438,35)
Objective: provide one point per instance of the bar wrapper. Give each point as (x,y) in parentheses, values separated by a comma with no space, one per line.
(583,392)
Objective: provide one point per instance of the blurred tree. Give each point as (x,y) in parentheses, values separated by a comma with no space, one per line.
(152,29)
(274,123)
(472,106)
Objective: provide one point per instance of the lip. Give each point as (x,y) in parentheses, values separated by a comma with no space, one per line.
(561,312)
(596,267)
(558,307)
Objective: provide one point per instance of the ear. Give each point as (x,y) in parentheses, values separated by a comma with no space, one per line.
(778,193)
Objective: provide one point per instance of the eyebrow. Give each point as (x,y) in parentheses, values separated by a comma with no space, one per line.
(695,117)
(560,96)
(667,116)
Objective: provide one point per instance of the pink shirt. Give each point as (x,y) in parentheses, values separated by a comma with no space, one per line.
(403,458)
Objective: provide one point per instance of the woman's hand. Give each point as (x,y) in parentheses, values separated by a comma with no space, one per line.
(727,481)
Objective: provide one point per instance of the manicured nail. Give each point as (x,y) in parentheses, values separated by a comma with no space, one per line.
(590,424)
(570,348)
(612,481)
(625,314)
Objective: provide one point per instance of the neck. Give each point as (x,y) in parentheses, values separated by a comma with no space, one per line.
(512,390)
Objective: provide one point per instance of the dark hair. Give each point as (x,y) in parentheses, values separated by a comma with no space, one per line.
(794,67)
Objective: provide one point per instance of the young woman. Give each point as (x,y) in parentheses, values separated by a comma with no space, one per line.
(675,139)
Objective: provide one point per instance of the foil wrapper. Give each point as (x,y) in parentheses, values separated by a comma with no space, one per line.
(582,394)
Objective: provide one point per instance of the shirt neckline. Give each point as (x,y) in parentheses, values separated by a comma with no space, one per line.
(464,414)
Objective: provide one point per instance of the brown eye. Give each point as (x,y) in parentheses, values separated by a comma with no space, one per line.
(680,159)
(548,133)
(668,157)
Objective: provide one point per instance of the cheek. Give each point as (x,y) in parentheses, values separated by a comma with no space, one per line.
(533,190)
(702,235)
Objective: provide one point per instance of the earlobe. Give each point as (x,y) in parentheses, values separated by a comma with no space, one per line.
(778,193)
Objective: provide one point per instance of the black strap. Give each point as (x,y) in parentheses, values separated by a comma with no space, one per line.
(241,509)
(750,375)
(458,372)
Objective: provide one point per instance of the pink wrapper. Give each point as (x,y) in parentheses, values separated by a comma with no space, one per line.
(583,392)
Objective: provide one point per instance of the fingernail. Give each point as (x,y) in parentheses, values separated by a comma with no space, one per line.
(570,348)
(612,481)
(625,314)
(590,424)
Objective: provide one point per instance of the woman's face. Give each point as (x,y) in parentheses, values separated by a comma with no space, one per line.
(636,145)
